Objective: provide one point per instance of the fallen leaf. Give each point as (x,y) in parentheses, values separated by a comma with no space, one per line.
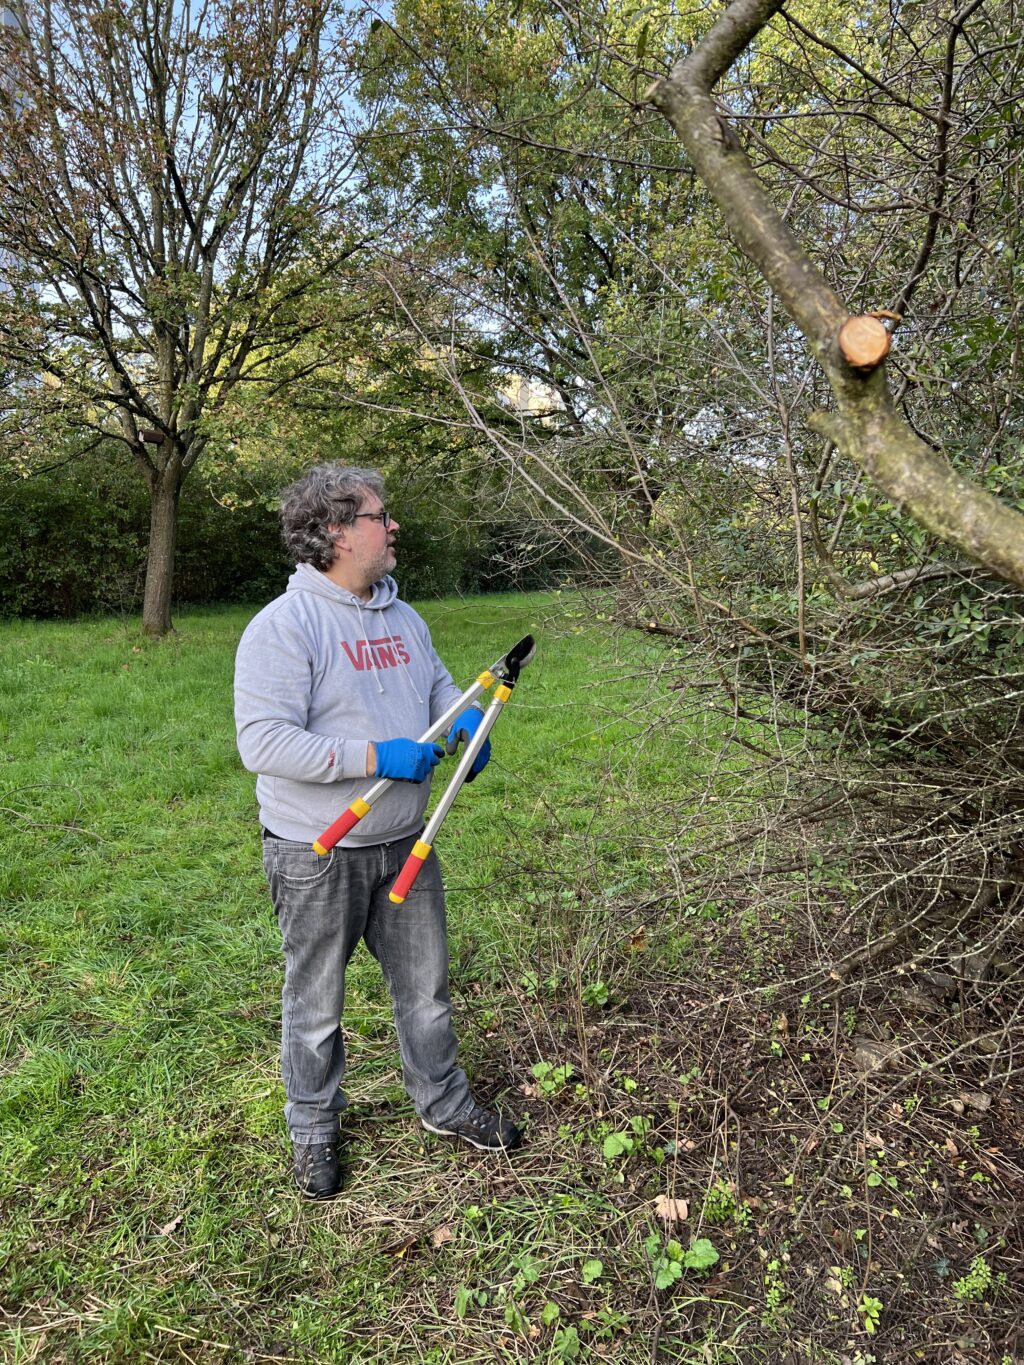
(671,1210)
(172,1226)
(442,1235)
(977,1099)
(398,1249)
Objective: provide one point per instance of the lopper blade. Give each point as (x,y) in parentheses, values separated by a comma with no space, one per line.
(517,658)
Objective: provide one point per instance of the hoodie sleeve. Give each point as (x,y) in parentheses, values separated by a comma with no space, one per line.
(273,689)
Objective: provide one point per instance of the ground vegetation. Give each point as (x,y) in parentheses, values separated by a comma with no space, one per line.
(730,1156)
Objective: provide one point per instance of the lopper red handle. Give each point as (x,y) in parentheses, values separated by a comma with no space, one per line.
(412,869)
(347,820)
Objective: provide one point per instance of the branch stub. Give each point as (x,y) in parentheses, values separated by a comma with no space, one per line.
(864,342)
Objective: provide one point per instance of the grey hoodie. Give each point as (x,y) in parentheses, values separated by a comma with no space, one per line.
(318,674)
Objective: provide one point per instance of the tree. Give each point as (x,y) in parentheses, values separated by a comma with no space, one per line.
(865,423)
(831,588)
(173,184)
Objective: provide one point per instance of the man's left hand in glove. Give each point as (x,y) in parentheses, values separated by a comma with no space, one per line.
(463,729)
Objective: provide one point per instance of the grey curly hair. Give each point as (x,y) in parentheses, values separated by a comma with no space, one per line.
(327,495)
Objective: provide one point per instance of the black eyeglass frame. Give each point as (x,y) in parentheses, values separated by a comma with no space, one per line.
(383,516)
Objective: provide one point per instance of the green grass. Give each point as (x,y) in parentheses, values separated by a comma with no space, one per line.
(147,1211)
(657,1013)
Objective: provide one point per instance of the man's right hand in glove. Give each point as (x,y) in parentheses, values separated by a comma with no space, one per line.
(403,760)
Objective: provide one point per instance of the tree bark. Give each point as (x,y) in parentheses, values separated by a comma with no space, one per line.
(165,487)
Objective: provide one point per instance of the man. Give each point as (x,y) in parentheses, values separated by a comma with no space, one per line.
(333,681)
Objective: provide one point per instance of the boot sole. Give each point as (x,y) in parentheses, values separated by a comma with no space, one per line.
(318,1198)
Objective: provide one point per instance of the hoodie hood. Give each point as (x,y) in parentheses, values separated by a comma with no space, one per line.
(307,579)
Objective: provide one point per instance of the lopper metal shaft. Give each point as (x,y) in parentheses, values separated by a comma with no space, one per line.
(515,660)
(362,805)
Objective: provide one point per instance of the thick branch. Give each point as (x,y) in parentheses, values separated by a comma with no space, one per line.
(865,424)
(719,160)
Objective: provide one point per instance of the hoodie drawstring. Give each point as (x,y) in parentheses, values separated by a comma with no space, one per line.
(369,648)
(405,668)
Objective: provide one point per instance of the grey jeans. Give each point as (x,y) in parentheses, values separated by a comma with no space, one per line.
(324,907)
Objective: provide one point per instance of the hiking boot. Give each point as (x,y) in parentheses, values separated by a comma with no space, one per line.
(482,1128)
(317,1170)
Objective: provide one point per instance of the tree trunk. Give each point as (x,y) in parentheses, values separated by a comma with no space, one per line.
(164,488)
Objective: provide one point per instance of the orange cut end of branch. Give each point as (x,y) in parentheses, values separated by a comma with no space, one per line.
(864,342)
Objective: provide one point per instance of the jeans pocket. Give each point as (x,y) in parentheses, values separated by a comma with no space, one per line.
(298,866)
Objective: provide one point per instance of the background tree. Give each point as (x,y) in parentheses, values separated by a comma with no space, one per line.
(173,185)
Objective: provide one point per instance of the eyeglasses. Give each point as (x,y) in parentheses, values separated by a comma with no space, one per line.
(383,516)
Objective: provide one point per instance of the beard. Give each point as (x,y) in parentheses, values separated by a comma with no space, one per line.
(381,564)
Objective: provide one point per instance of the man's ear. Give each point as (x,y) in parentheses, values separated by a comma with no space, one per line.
(337,534)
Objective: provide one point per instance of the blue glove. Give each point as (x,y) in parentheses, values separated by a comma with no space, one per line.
(406,760)
(463,729)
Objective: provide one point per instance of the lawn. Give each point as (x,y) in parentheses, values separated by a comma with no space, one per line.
(146,1200)
(707,1176)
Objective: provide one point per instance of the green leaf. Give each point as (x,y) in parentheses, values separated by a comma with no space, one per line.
(667,1273)
(701,1255)
(592,1270)
(550,1313)
(615,1144)
(567,1343)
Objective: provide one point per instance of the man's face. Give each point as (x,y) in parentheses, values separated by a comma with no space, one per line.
(370,544)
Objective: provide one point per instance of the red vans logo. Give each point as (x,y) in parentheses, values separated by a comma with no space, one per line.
(387,652)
